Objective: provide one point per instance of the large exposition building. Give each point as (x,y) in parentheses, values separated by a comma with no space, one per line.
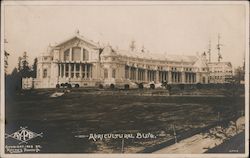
(84,63)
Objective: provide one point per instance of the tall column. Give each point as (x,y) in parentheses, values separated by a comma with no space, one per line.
(169,77)
(183,77)
(74,70)
(136,74)
(157,76)
(69,71)
(80,69)
(64,70)
(90,71)
(146,75)
(60,70)
(85,72)
(129,71)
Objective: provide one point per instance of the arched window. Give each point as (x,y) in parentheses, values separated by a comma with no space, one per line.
(113,73)
(76,54)
(45,73)
(66,55)
(85,55)
(105,73)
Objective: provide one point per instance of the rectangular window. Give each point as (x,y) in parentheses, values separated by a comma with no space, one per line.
(45,73)
(76,54)
(66,55)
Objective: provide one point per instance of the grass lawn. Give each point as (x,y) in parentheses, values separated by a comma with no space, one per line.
(63,118)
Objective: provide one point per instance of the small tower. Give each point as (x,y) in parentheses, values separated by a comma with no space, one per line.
(219,48)
(132,45)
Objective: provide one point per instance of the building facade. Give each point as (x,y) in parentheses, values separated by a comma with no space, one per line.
(82,62)
(220,72)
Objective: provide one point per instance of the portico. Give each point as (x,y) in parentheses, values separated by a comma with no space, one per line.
(75,70)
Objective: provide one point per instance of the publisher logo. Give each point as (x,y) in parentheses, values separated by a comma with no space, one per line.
(23,135)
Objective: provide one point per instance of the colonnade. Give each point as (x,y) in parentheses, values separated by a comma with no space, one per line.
(75,70)
(147,75)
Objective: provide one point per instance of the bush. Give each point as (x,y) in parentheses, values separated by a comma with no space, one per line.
(198,85)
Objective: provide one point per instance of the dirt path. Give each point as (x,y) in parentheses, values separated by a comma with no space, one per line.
(200,143)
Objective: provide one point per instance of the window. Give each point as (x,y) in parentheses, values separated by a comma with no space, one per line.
(66,55)
(203,80)
(85,55)
(105,73)
(45,73)
(76,54)
(113,73)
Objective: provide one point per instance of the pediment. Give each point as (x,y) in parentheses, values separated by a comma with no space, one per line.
(77,41)
(200,63)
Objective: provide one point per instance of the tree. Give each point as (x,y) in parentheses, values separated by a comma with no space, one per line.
(23,65)
(34,68)
(6,55)
(239,74)
(13,82)
(19,66)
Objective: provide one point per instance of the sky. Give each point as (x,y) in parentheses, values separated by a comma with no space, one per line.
(167,29)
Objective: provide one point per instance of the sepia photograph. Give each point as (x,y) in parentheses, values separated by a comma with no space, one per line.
(135,78)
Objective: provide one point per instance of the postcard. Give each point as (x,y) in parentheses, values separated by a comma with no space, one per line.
(124,79)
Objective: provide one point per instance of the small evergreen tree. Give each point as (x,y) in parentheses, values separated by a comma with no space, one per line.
(34,68)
